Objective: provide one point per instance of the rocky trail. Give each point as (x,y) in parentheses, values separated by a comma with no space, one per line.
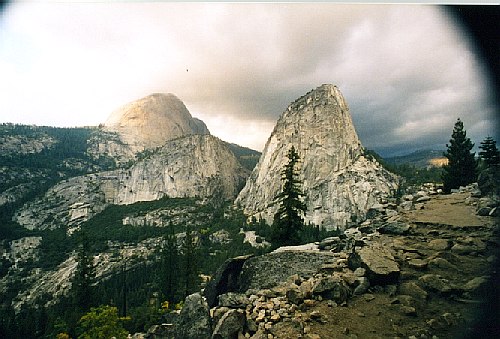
(446,260)
(422,268)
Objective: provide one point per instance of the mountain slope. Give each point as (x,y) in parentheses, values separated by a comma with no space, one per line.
(151,121)
(196,165)
(339,182)
(419,159)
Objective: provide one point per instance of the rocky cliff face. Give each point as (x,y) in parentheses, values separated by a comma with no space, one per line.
(196,165)
(339,182)
(151,121)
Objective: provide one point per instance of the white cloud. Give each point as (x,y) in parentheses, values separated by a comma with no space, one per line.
(404,70)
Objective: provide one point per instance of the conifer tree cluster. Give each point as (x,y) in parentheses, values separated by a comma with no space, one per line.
(84,278)
(489,152)
(461,167)
(288,221)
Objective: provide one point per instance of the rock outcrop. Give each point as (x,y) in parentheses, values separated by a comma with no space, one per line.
(340,183)
(192,166)
(151,121)
(364,276)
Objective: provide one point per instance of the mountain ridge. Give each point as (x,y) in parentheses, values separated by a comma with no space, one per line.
(340,184)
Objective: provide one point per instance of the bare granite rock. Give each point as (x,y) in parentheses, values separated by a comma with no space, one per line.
(151,121)
(340,183)
(381,268)
(192,166)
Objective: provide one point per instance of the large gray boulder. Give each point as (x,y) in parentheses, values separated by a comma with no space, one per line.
(194,320)
(230,325)
(381,268)
(225,279)
(273,269)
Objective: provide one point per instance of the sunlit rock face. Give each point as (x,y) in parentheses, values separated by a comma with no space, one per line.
(192,166)
(151,121)
(340,184)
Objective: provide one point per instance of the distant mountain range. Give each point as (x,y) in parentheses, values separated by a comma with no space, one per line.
(421,158)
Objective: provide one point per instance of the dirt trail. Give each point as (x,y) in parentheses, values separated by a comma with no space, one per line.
(449,210)
(446,261)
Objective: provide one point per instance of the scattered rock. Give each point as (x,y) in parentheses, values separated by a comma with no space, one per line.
(412,289)
(397,227)
(331,288)
(475,284)
(233,300)
(484,211)
(436,283)
(423,198)
(439,244)
(228,327)
(463,249)
(441,263)
(294,294)
(418,264)
(363,286)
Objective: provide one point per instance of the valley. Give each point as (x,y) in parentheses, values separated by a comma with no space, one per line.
(174,226)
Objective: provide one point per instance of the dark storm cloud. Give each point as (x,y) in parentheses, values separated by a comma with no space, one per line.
(406,71)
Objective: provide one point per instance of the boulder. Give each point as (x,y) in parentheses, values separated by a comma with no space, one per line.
(495,212)
(489,181)
(396,227)
(441,263)
(163,331)
(272,269)
(418,264)
(331,288)
(381,268)
(331,243)
(406,205)
(464,249)
(233,300)
(194,320)
(294,294)
(412,289)
(439,244)
(483,211)
(225,279)
(231,323)
(407,197)
(475,284)
(363,286)
(423,198)
(436,283)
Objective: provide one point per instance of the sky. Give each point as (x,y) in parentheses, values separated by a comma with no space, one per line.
(407,71)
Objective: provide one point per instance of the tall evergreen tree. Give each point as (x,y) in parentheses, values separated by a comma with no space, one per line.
(84,278)
(288,221)
(461,167)
(489,152)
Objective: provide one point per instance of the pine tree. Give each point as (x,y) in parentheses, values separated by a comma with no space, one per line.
(82,289)
(461,167)
(288,220)
(489,153)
